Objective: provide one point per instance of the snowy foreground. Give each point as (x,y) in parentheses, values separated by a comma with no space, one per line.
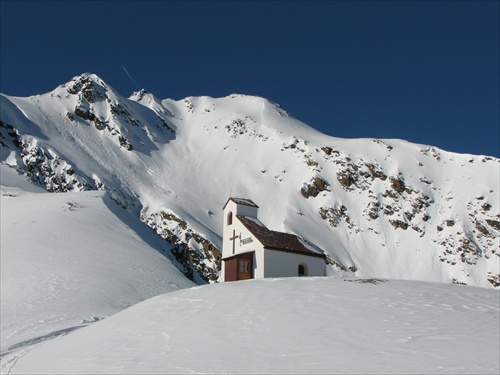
(297,325)
(68,260)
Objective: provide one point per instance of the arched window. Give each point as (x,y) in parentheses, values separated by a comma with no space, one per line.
(229,218)
(302,270)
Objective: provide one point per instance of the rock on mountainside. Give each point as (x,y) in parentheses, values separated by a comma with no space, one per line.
(378,208)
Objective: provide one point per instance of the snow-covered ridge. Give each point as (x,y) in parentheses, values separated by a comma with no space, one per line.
(288,326)
(378,208)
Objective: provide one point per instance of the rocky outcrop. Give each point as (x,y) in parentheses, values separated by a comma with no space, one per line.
(239,126)
(198,258)
(314,187)
(336,215)
(87,88)
(42,166)
(88,93)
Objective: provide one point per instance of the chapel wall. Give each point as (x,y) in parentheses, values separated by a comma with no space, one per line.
(283,264)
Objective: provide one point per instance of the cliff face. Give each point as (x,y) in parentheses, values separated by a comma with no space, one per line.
(379,208)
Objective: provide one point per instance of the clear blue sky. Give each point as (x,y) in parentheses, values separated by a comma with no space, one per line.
(427,72)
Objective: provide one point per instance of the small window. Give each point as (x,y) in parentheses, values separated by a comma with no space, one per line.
(244,266)
(302,270)
(230,218)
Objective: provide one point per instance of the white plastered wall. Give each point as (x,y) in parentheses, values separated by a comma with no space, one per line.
(283,264)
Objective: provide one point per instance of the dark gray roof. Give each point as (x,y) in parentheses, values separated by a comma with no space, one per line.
(277,240)
(243,201)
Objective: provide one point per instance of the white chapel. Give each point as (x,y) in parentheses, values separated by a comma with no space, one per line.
(251,251)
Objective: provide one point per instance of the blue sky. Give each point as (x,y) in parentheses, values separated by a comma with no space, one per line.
(427,72)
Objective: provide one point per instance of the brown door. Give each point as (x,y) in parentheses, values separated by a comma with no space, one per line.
(244,269)
(231,269)
(239,267)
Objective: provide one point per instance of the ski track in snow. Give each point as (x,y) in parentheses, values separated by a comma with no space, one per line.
(14,352)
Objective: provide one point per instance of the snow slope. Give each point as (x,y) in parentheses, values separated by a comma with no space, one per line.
(68,260)
(378,208)
(76,266)
(288,326)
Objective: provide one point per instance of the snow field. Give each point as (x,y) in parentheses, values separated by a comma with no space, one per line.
(70,259)
(284,326)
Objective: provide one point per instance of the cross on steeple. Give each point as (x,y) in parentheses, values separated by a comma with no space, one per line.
(234,238)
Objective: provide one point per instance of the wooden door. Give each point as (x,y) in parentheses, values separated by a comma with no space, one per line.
(244,269)
(231,269)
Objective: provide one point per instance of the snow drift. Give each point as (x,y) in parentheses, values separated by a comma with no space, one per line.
(288,326)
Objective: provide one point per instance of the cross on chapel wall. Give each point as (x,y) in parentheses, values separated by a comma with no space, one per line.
(233,239)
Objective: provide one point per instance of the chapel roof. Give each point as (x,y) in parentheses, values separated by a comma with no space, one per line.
(277,240)
(242,201)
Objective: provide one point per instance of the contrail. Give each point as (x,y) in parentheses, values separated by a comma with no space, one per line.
(131,79)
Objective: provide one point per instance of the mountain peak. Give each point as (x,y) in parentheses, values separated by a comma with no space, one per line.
(139,95)
(90,86)
(144,97)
